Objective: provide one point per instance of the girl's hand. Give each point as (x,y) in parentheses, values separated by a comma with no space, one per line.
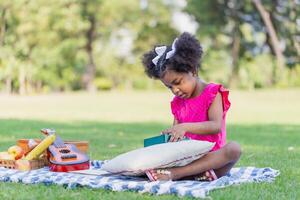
(177,132)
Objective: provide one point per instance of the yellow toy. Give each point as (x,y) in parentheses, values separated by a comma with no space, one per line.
(41,147)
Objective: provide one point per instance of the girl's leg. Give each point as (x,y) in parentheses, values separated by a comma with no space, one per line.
(221,161)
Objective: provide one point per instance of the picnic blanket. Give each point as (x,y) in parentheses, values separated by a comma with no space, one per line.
(122,183)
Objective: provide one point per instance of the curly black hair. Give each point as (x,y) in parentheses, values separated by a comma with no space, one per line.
(186,58)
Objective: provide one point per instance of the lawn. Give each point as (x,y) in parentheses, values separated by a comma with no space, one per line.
(266,123)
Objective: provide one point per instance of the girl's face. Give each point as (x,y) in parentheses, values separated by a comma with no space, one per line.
(182,85)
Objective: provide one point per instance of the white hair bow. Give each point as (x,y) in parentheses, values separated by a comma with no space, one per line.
(161,50)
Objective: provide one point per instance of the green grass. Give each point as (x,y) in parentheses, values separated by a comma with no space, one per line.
(259,107)
(268,131)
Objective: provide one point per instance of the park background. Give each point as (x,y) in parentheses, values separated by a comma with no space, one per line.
(75,65)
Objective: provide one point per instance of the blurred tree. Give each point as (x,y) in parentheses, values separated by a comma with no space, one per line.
(274,41)
(89,12)
(254,28)
(283,15)
(97,44)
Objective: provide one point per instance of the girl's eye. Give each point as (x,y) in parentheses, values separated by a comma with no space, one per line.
(177,82)
(170,87)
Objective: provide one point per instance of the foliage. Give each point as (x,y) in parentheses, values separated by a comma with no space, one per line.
(68,45)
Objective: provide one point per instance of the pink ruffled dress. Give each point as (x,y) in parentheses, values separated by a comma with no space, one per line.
(196,110)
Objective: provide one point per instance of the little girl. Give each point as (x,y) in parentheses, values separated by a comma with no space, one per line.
(199,109)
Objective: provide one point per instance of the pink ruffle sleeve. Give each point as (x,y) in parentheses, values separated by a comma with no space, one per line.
(211,95)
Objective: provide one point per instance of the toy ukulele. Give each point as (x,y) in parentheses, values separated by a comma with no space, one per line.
(65,157)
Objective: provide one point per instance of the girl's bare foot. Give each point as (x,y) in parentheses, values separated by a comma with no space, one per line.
(160,174)
(170,174)
(207,176)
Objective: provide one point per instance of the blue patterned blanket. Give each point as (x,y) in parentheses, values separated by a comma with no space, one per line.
(139,184)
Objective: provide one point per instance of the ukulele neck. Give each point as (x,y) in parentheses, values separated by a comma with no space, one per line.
(59,143)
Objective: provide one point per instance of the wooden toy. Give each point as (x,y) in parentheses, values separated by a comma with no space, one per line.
(65,157)
(23,164)
(80,144)
(41,147)
(33,160)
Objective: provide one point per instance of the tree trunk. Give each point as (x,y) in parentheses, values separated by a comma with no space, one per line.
(38,86)
(22,81)
(235,51)
(235,47)
(90,72)
(3,26)
(275,45)
(8,85)
(8,79)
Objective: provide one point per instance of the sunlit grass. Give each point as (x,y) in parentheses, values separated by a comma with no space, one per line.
(262,106)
